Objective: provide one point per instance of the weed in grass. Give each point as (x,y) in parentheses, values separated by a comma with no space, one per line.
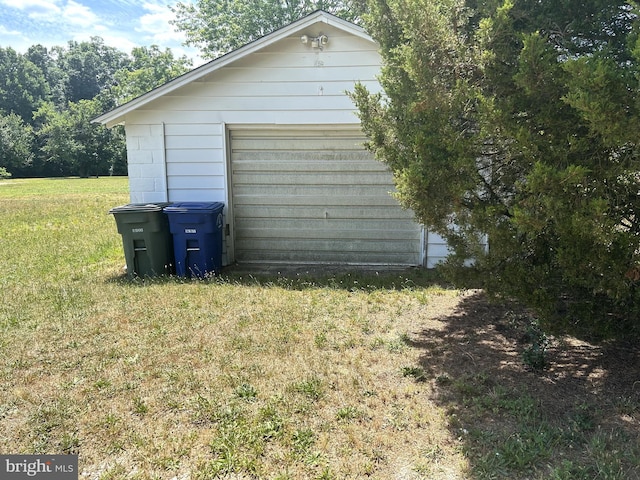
(320,340)
(347,413)
(569,470)
(302,441)
(628,405)
(271,423)
(377,343)
(499,400)
(430,459)
(246,391)
(49,424)
(110,421)
(417,373)
(397,345)
(140,407)
(583,418)
(398,418)
(70,444)
(534,355)
(102,384)
(241,438)
(115,472)
(611,453)
(326,474)
(311,388)
(524,449)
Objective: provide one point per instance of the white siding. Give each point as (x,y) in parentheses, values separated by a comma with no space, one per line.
(287,83)
(437,249)
(195,162)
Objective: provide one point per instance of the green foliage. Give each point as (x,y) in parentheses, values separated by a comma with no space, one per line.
(218,26)
(22,84)
(73,143)
(16,144)
(88,68)
(48,98)
(149,68)
(534,356)
(517,121)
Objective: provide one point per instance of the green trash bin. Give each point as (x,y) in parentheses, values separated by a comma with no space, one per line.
(146,238)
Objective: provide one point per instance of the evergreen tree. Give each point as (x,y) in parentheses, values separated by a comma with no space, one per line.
(516,121)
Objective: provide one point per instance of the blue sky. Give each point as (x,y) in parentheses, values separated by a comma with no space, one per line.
(122,24)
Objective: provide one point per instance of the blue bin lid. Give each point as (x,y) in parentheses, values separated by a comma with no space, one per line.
(188,207)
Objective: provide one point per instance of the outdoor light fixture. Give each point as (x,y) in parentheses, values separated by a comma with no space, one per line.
(316,42)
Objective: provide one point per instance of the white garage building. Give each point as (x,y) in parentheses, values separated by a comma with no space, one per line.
(269,130)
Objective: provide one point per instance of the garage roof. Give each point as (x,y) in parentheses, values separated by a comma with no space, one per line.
(117,115)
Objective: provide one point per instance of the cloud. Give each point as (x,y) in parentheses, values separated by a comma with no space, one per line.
(78,14)
(116,41)
(156,29)
(156,26)
(37,9)
(34,6)
(6,31)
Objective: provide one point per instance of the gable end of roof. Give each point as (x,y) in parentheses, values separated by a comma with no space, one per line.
(116,116)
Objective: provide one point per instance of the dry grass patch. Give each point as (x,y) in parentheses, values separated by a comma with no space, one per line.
(344,376)
(203,379)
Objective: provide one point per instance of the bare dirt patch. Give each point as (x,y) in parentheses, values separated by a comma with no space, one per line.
(585,403)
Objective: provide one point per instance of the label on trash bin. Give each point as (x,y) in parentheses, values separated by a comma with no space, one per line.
(190,230)
(137,230)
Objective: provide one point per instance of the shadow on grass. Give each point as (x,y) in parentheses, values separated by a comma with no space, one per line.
(301,278)
(577,418)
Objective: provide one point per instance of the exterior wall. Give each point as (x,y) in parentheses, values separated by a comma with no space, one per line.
(177,145)
(437,249)
(146,163)
(287,83)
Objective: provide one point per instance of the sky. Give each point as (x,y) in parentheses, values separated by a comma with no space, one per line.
(122,24)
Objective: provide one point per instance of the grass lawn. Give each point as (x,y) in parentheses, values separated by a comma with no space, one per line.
(384,375)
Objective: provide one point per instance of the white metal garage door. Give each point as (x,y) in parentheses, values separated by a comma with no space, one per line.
(316,197)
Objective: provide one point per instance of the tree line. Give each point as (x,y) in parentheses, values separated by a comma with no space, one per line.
(49,96)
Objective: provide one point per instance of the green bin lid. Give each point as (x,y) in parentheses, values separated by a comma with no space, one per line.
(139,207)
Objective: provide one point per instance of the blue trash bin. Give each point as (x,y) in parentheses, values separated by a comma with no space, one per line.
(197,237)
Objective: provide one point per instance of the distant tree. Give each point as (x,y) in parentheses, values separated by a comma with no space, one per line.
(74,145)
(519,120)
(16,144)
(149,68)
(23,86)
(55,75)
(88,68)
(219,26)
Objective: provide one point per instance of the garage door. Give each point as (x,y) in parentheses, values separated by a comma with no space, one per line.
(316,197)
